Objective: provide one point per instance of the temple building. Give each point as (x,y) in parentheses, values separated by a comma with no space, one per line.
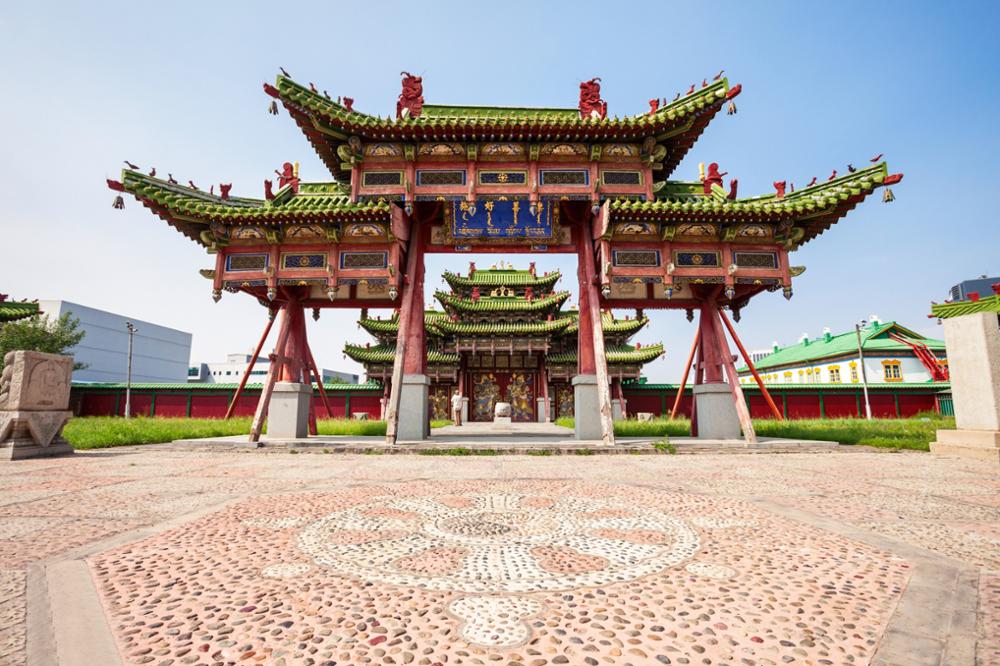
(892,354)
(503,335)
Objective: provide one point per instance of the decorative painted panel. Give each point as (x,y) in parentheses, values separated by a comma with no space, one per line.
(364,230)
(440,177)
(635,229)
(441,403)
(503,177)
(383,151)
(578,177)
(246,262)
(564,151)
(501,218)
(755,259)
(236,284)
(521,396)
(382,178)
(441,150)
(295,261)
(636,257)
(485,396)
(564,401)
(502,151)
(298,282)
(620,152)
(364,260)
(304,232)
(696,229)
(696,259)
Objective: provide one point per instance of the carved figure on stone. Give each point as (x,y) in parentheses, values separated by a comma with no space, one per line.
(411,101)
(591,104)
(34,396)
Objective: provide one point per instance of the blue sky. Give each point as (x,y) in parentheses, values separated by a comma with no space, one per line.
(178,86)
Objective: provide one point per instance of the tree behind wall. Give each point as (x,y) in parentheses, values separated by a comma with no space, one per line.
(42,334)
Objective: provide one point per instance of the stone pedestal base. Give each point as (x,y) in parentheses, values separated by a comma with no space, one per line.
(25,434)
(977,444)
(288,413)
(502,420)
(414,404)
(541,411)
(717,418)
(617,410)
(586,407)
(465,410)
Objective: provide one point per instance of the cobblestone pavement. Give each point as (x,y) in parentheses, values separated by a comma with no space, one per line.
(334,559)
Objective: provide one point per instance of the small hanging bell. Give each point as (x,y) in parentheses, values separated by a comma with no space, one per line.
(888,196)
(273,108)
(731,109)
(119,203)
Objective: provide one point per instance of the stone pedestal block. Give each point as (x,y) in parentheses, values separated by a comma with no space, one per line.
(541,411)
(586,407)
(979,444)
(34,395)
(973,343)
(414,405)
(288,413)
(465,410)
(617,410)
(717,417)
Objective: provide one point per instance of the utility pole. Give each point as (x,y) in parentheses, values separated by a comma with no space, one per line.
(128,378)
(864,375)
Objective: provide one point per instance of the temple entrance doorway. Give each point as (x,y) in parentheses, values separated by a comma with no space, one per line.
(516,387)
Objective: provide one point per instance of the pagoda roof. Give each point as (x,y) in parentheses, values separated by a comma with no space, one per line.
(609,324)
(874,338)
(327,123)
(386,354)
(961,308)
(814,208)
(506,304)
(14,310)
(390,327)
(616,355)
(191,210)
(495,277)
(502,328)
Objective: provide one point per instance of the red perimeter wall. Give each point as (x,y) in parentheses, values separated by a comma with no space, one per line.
(798,403)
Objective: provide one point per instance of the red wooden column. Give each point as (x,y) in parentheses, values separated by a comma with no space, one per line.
(591,358)
(543,378)
(412,298)
(712,356)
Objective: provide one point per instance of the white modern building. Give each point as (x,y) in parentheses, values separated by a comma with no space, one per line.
(893,354)
(159,354)
(231,370)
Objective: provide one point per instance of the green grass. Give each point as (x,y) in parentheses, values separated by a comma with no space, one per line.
(460,451)
(440,423)
(95,432)
(914,433)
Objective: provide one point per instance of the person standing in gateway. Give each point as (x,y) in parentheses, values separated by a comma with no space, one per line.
(456,408)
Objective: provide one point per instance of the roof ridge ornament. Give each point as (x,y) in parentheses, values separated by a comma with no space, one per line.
(411,100)
(591,105)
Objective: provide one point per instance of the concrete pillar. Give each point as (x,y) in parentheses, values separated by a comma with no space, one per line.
(617,410)
(288,413)
(716,412)
(465,410)
(973,344)
(540,411)
(586,407)
(414,405)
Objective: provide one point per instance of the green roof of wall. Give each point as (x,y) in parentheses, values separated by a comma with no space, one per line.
(386,354)
(961,308)
(13,310)
(874,339)
(502,303)
(501,278)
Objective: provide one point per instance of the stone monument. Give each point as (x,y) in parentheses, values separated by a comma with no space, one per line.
(972,337)
(502,413)
(34,397)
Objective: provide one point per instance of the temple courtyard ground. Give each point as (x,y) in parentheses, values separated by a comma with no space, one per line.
(165,556)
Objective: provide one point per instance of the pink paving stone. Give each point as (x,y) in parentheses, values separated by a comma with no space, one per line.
(796,592)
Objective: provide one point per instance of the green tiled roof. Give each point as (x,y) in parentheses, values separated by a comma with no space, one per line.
(815,208)
(959,308)
(610,325)
(191,210)
(617,355)
(389,327)
(502,303)
(809,388)
(501,328)
(12,310)
(386,354)
(501,278)
(327,124)
(875,338)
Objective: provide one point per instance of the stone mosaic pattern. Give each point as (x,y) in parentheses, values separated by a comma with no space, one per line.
(950,506)
(463,572)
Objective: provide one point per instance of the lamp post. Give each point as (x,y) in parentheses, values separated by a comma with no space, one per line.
(128,377)
(864,375)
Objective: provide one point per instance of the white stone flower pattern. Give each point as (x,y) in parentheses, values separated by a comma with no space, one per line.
(492,548)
